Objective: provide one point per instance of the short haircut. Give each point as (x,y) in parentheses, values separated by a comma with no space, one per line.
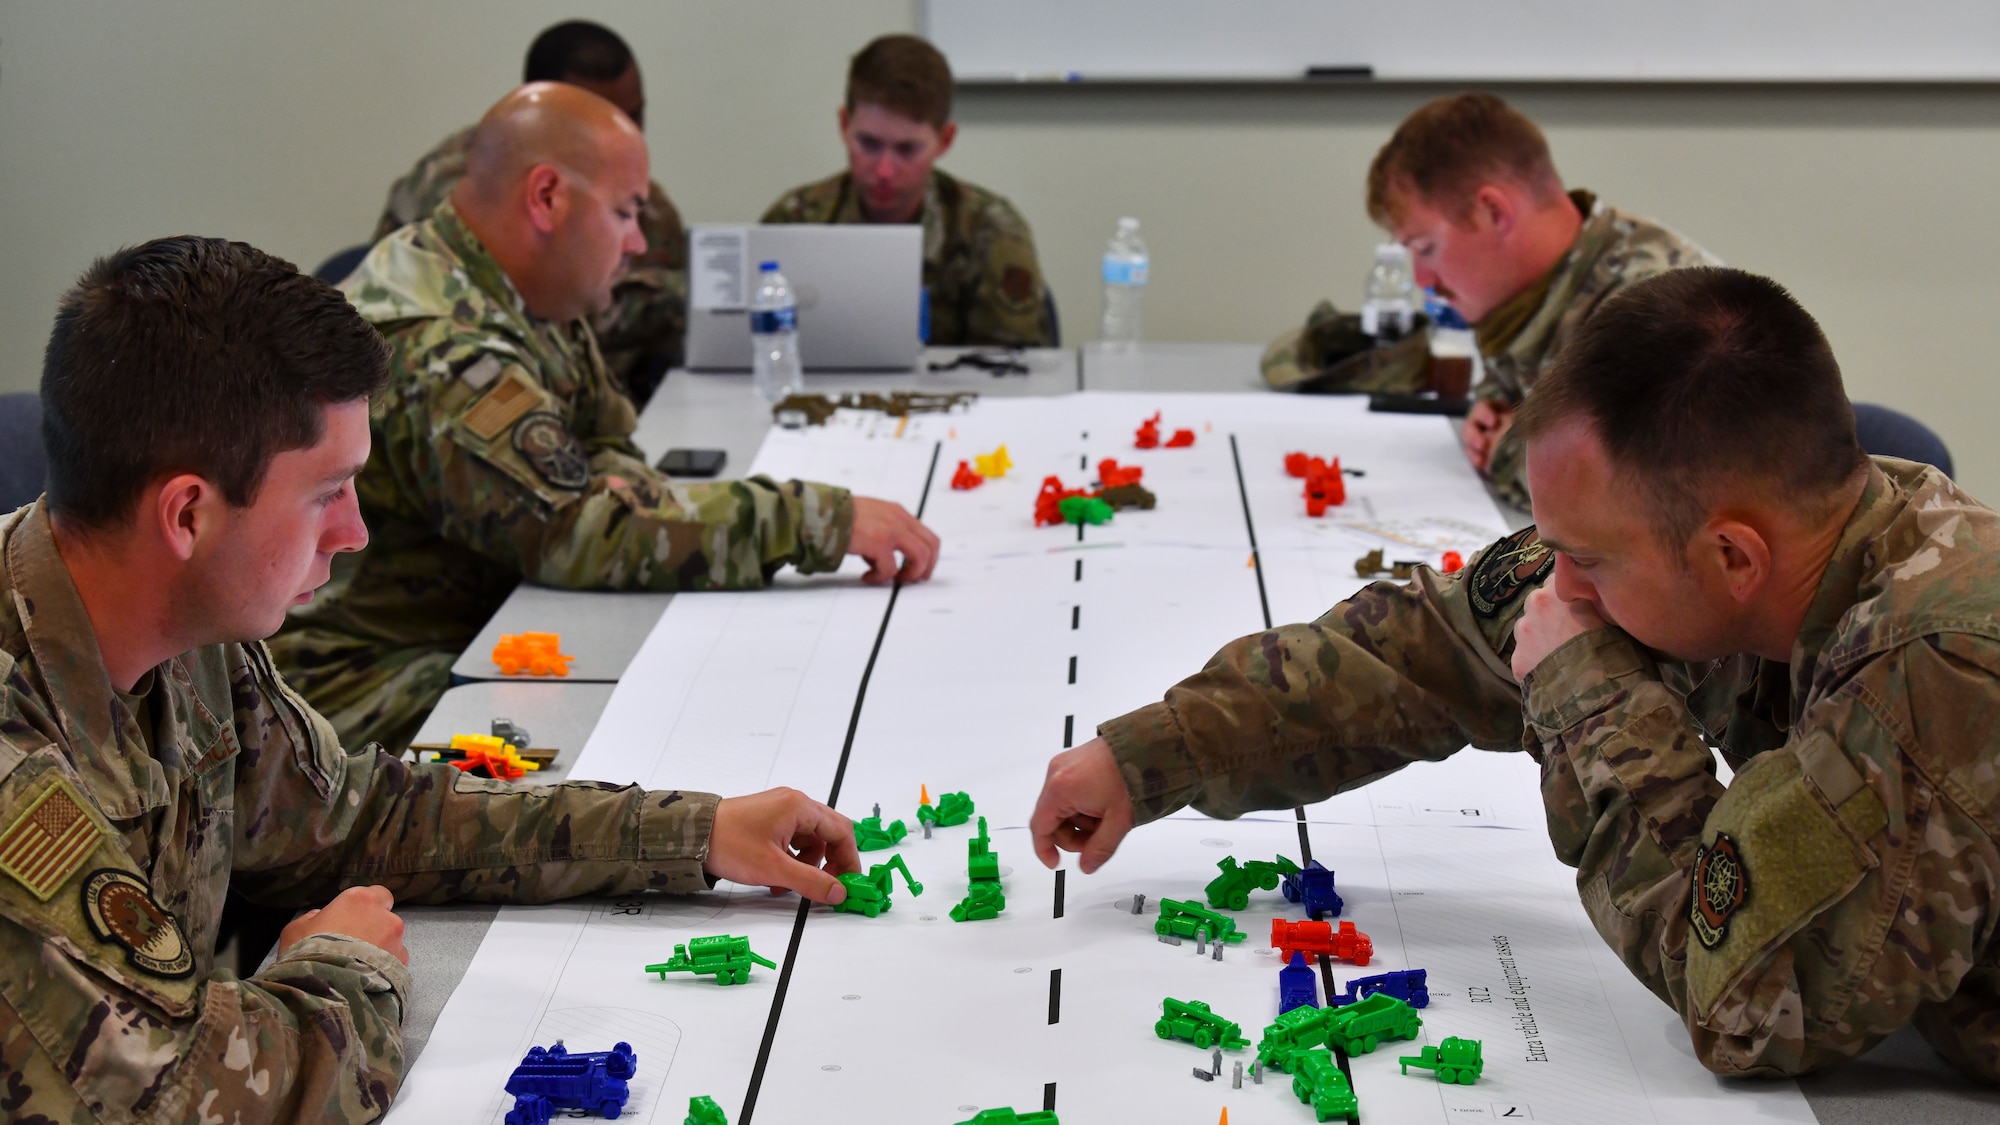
(577,49)
(1444,152)
(192,355)
(902,74)
(1703,384)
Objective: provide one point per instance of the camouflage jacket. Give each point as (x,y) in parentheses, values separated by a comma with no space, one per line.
(125,817)
(980,269)
(648,314)
(1613,249)
(502,451)
(1847,881)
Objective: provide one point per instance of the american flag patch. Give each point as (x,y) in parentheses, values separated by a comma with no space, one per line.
(46,844)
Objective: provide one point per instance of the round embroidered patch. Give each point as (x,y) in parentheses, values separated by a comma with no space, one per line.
(119,907)
(1508,567)
(548,446)
(1721,885)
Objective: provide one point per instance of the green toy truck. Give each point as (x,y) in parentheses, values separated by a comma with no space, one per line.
(1295,1033)
(1191,1020)
(951,809)
(1231,889)
(1005,1115)
(1454,1060)
(1358,1027)
(1182,919)
(1320,1084)
(983,898)
(727,959)
(871,835)
(869,894)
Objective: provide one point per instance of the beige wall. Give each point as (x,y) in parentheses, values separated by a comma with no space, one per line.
(282,124)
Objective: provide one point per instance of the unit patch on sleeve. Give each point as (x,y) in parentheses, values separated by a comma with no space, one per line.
(119,907)
(1508,567)
(49,841)
(554,452)
(498,408)
(1721,884)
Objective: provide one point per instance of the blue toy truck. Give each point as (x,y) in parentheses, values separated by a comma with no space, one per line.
(1406,985)
(1313,886)
(591,1081)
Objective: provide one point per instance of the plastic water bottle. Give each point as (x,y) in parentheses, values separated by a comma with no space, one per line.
(1388,308)
(1454,350)
(1125,268)
(774,337)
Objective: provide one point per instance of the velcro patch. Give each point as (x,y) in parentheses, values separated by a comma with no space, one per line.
(119,907)
(501,407)
(48,842)
(481,372)
(547,445)
(1508,567)
(1017,284)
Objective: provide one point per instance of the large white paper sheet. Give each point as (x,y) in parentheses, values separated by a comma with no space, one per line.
(1026,639)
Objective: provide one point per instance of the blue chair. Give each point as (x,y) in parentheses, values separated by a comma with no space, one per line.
(334,270)
(1889,433)
(23,468)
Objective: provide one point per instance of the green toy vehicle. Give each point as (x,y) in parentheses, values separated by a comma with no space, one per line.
(727,959)
(1005,1115)
(869,894)
(1231,889)
(1182,919)
(1191,1020)
(1358,1027)
(1295,1033)
(951,809)
(1320,1084)
(704,1111)
(983,899)
(870,835)
(1454,1060)
(981,861)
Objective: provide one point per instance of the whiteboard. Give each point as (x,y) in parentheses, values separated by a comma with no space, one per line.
(1470,40)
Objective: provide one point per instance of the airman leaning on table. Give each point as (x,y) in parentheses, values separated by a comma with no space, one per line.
(1468,185)
(503,452)
(641,333)
(205,409)
(980,270)
(1743,577)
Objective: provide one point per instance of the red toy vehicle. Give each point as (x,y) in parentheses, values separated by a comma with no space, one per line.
(1320,938)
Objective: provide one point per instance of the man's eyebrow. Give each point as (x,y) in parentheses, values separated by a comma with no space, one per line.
(1558,548)
(344,475)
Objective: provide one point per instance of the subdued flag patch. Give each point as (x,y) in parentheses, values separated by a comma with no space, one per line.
(48,842)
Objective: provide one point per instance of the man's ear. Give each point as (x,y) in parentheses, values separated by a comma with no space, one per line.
(1737,554)
(186,510)
(947,134)
(546,197)
(841,115)
(1494,207)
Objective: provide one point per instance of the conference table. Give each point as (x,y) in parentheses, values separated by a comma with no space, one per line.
(604,631)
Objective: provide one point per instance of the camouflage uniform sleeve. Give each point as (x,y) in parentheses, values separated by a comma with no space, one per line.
(787,208)
(1293,715)
(1841,886)
(92,1031)
(505,476)
(332,818)
(1009,306)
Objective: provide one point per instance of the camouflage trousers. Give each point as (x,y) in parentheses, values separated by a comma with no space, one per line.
(369,694)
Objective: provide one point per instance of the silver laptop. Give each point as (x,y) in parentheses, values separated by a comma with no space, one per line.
(858,289)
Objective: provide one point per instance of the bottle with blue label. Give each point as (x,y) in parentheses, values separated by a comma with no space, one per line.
(774,337)
(1126,265)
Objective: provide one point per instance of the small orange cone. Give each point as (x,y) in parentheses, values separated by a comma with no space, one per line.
(1225,1116)
(924,794)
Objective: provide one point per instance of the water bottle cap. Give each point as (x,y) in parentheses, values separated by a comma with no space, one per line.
(1128,223)
(1448,317)
(767,267)
(1391,253)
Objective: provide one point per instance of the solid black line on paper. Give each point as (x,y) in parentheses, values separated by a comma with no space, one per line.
(1069,730)
(833,798)
(1305,845)
(1075,615)
(1079,570)
(1049,1096)
(1250,525)
(1060,872)
(1072,669)
(1055,996)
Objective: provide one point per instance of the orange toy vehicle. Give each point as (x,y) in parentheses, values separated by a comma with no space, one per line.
(535,654)
(1316,938)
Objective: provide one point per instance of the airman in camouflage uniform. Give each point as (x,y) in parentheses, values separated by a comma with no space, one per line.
(124,818)
(980,268)
(1613,249)
(503,451)
(648,313)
